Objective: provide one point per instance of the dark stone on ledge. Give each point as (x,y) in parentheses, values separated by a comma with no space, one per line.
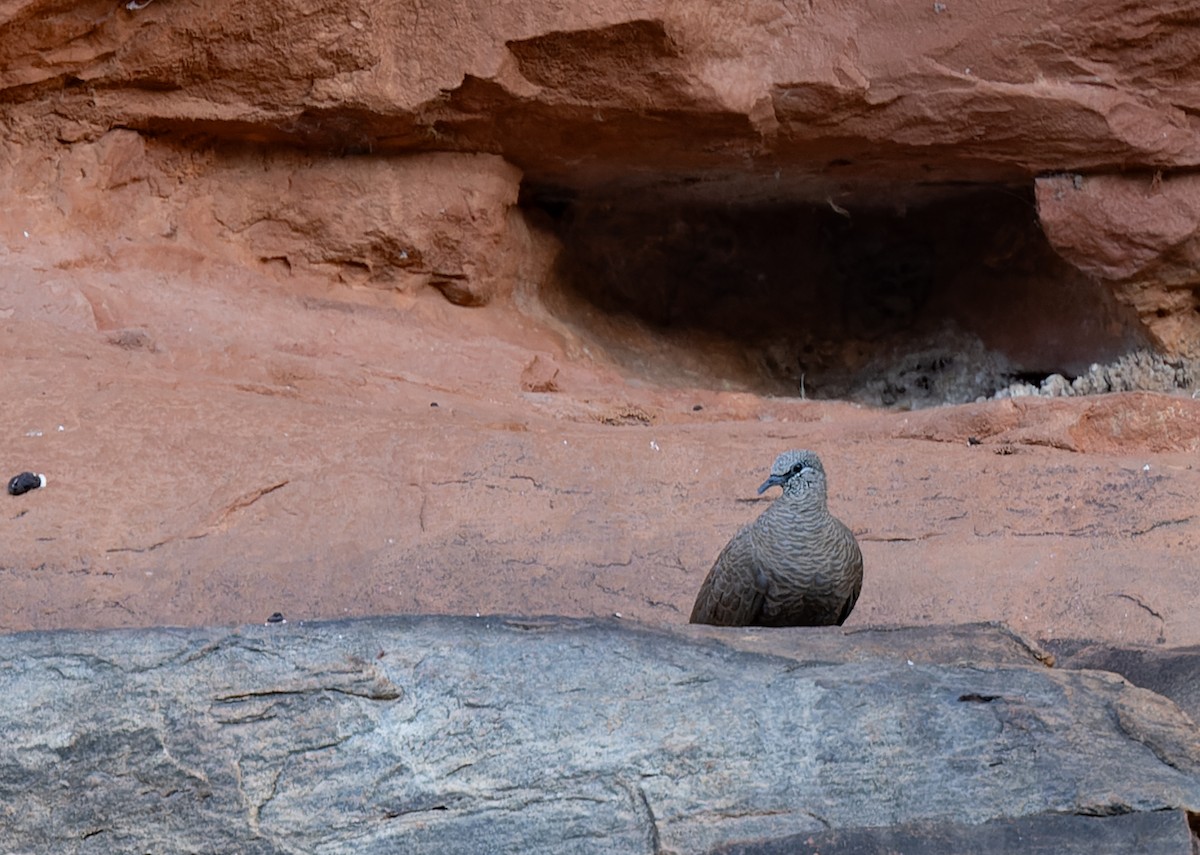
(443,734)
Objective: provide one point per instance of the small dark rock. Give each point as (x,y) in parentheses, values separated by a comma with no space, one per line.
(25,482)
(276,617)
(697,408)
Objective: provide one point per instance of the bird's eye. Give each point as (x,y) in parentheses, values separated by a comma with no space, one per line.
(795,470)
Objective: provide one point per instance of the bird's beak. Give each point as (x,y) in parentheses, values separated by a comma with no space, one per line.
(773,481)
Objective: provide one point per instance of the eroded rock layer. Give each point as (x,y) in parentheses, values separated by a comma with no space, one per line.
(864,108)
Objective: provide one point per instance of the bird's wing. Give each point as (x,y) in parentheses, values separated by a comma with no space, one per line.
(733,592)
(855,570)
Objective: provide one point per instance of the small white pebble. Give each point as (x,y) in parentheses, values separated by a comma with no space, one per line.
(26,234)
(617,614)
(1146,468)
(60,427)
(654,445)
(910,662)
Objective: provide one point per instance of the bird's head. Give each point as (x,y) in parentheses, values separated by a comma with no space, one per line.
(796,472)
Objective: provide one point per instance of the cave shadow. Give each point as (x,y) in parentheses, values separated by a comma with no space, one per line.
(942,300)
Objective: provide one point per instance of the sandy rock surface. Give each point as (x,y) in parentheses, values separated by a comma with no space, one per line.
(221,445)
(286,322)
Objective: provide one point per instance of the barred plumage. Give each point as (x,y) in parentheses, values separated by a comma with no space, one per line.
(796,565)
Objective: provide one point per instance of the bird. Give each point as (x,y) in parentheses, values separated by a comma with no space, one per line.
(796,565)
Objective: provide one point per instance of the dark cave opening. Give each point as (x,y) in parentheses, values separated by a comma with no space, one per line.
(906,301)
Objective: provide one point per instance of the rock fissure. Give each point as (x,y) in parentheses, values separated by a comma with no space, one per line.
(1160,524)
(381,694)
(1139,602)
(246,500)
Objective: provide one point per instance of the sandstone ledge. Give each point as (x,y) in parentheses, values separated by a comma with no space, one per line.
(505,735)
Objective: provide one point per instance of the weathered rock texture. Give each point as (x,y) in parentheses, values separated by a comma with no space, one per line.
(857,107)
(1174,672)
(1142,234)
(947,93)
(518,735)
(1161,831)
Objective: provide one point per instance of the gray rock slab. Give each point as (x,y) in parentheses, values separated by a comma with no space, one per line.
(1155,833)
(1170,671)
(951,644)
(444,734)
